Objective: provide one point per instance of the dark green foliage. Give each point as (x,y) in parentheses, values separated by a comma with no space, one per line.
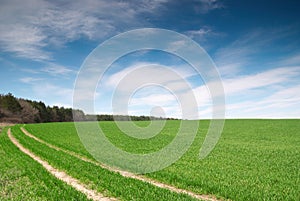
(17,110)
(44,115)
(10,109)
(109,117)
(10,103)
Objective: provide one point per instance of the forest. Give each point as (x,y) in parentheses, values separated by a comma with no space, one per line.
(19,110)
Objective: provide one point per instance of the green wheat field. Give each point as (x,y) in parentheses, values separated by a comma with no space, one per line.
(253,160)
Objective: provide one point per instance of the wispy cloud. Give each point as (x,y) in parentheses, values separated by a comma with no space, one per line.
(150,85)
(257,95)
(30,80)
(200,33)
(206,6)
(150,70)
(242,52)
(24,41)
(54,70)
(263,79)
(154,100)
(269,90)
(52,93)
(26,29)
(204,35)
(283,103)
(277,96)
(237,54)
(290,60)
(51,69)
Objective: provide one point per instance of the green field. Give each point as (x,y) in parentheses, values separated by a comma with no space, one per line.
(22,178)
(254,160)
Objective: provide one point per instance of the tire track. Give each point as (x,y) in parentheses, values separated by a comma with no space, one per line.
(91,194)
(125,173)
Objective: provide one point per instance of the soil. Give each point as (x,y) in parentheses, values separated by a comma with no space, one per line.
(127,174)
(91,194)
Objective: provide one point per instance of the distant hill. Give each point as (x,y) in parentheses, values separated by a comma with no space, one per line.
(18,110)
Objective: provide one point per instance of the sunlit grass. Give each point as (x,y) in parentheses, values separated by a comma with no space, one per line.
(104,181)
(254,159)
(22,178)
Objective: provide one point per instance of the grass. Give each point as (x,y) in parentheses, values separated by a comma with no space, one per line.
(22,178)
(254,159)
(109,183)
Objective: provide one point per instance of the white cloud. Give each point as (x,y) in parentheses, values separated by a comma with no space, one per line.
(152,70)
(278,96)
(200,34)
(176,45)
(271,93)
(202,95)
(52,93)
(29,29)
(283,103)
(51,69)
(252,87)
(26,29)
(241,53)
(54,69)
(48,89)
(290,60)
(234,56)
(229,70)
(153,99)
(283,98)
(24,41)
(150,85)
(263,79)
(207,5)
(29,80)
(265,92)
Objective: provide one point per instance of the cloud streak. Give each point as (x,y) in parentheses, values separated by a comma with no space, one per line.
(246,95)
(30,80)
(26,29)
(55,70)
(242,52)
(201,33)
(206,6)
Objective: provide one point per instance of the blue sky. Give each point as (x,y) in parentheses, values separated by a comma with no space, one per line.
(254,44)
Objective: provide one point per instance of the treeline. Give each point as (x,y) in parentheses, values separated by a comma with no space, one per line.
(18,110)
(109,117)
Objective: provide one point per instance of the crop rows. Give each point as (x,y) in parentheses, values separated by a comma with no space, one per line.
(254,159)
(109,183)
(22,178)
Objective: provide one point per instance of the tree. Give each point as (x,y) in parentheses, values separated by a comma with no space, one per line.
(10,103)
(29,114)
(19,110)
(78,115)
